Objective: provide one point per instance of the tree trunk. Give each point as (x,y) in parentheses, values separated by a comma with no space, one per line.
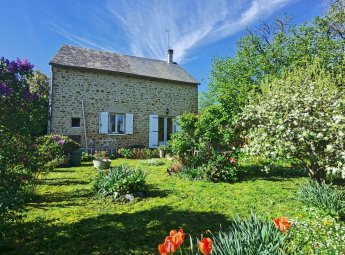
(317,173)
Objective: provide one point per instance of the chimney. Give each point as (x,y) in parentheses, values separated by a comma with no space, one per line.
(170,56)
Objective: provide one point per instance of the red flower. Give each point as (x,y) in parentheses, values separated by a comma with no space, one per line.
(168,247)
(282,223)
(205,246)
(177,237)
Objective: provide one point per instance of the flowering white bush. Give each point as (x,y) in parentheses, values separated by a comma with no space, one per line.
(300,117)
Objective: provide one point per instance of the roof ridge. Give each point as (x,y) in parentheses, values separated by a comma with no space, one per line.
(113,52)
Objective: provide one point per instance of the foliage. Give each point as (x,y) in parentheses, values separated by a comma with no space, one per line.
(222,169)
(99,155)
(320,234)
(203,136)
(152,162)
(262,62)
(271,50)
(301,119)
(85,157)
(138,153)
(194,174)
(253,236)
(53,150)
(324,197)
(218,169)
(23,116)
(122,179)
(245,236)
(126,152)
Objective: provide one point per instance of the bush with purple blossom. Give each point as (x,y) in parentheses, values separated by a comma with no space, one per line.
(24,112)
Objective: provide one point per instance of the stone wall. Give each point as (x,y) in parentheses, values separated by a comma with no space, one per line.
(111,92)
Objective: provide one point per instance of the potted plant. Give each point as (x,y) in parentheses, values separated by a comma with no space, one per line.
(162,150)
(101,160)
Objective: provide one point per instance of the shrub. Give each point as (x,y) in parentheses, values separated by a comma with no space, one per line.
(194,174)
(85,157)
(145,153)
(138,153)
(323,196)
(53,150)
(152,162)
(299,117)
(122,179)
(126,152)
(222,169)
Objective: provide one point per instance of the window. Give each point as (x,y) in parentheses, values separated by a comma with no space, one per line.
(116,123)
(165,129)
(75,122)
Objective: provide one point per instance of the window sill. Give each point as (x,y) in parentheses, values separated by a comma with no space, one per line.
(116,134)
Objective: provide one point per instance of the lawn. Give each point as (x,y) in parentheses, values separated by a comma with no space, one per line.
(66,218)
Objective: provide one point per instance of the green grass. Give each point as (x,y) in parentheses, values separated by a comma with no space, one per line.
(66,218)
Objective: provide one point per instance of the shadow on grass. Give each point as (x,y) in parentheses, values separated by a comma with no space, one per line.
(126,233)
(276,173)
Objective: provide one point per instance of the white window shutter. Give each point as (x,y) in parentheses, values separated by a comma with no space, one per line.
(103,122)
(129,123)
(153,131)
(177,125)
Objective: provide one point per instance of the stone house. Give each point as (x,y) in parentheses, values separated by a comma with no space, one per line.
(105,99)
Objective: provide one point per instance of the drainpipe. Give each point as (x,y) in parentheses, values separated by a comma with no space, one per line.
(82,106)
(50,101)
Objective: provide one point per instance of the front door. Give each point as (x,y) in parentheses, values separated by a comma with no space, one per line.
(160,130)
(165,129)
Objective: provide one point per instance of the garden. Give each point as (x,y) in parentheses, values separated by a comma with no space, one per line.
(259,170)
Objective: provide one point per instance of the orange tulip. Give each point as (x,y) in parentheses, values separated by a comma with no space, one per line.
(161,249)
(177,237)
(205,246)
(282,223)
(168,247)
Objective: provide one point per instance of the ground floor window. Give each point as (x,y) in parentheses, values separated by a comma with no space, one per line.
(117,123)
(75,122)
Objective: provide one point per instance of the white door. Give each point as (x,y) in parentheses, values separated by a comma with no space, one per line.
(153,131)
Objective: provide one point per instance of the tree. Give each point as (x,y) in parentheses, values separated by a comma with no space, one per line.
(273,49)
(299,117)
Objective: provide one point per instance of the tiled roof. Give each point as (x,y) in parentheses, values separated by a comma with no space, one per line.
(73,56)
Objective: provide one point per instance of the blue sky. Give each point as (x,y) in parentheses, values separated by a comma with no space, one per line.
(199,30)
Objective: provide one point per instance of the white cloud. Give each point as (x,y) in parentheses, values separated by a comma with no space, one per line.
(139,27)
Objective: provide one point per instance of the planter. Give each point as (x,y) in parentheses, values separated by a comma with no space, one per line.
(101,164)
(75,158)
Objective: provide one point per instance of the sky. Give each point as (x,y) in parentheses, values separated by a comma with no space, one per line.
(197,30)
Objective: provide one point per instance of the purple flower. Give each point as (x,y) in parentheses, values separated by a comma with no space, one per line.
(5,90)
(61,142)
(20,65)
(56,138)
(24,65)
